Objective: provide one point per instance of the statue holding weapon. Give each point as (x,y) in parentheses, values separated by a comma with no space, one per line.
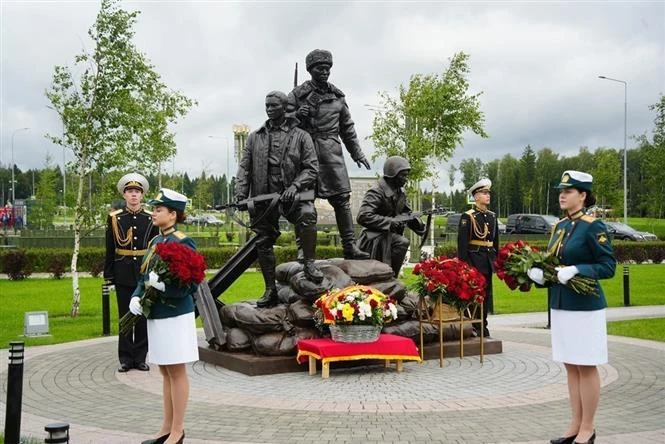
(276,177)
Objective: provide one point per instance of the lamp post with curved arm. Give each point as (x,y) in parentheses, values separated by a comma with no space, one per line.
(13,181)
(625,135)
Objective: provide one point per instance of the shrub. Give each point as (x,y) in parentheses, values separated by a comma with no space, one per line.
(57,265)
(17,265)
(97,267)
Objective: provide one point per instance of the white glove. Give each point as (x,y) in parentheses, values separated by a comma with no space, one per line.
(536,275)
(153,280)
(135,306)
(564,274)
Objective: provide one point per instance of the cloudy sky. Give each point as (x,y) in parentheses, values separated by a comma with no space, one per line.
(536,63)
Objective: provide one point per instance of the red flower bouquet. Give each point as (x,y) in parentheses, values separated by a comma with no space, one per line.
(453,280)
(515,259)
(355,305)
(175,264)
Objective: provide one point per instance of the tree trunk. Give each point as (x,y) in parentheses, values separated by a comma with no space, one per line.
(78,218)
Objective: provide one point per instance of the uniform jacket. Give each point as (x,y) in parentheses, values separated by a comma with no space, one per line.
(299,165)
(583,241)
(479,256)
(127,237)
(329,120)
(176,300)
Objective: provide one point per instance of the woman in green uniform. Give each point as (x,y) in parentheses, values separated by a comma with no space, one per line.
(578,323)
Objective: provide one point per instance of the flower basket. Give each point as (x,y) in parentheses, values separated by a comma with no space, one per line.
(355,333)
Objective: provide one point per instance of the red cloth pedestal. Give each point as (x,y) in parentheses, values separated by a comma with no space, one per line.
(388,347)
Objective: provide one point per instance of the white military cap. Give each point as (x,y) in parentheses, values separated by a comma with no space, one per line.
(482,184)
(576,179)
(133,180)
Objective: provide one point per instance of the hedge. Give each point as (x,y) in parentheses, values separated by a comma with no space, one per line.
(624,251)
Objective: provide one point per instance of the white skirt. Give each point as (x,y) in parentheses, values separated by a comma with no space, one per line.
(579,337)
(173,340)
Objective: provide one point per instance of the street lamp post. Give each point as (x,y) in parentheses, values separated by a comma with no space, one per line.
(13,181)
(625,153)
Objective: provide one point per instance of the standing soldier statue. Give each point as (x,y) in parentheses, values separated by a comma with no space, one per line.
(383,234)
(128,231)
(280,158)
(324,114)
(478,241)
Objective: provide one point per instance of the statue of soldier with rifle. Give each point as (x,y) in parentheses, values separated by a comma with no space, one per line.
(322,111)
(384,214)
(279,159)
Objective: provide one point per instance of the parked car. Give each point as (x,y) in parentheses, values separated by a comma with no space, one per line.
(453,222)
(209,219)
(192,220)
(622,231)
(502,227)
(530,223)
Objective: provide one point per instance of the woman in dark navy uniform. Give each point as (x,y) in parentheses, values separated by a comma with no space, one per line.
(172,340)
(579,333)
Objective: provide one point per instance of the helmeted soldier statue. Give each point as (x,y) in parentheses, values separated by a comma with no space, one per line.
(324,114)
(383,236)
(279,157)
(128,231)
(478,241)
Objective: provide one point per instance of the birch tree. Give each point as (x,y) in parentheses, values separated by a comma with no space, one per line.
(115,114)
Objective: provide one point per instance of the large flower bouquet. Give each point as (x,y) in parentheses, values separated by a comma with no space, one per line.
(451,279)
(175,264)
(516,258)
(355,305)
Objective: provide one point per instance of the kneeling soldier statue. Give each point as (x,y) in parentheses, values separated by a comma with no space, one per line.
(383,233)
(280,158)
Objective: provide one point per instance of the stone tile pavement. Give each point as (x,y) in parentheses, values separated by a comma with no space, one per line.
(517,396)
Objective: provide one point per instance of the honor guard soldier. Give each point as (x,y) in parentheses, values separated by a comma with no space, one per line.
(478,241)
(128,232)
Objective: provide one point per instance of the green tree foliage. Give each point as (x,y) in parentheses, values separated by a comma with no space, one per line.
(653,161)
(607,179)
(426,120)
(46,195)
(115,115)
(527,178)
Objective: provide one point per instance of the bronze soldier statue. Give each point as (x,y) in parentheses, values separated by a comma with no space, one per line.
(478,241)
(279,158)
(383,233)
(324,114)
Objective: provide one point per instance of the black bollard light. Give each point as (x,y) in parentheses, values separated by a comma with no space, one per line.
(14,393)
(58,432)
(106,311)
(626,286)
(549,311)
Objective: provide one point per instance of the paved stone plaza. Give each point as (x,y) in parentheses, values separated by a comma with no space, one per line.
(517,396)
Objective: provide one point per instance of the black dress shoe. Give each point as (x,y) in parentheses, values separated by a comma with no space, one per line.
(159,440)
(124,368)
(590,441)
(142,366)
(182,438)
(563,440)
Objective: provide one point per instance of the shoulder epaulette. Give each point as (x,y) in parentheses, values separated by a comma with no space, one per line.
(179,234)
(470,212)
(115,212)
(587,218)
(147,211)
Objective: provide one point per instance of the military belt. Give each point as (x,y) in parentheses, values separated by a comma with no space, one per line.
(122,252)
(323,134)
(481,243)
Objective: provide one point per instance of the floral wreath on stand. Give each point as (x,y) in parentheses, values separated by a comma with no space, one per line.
(450,280)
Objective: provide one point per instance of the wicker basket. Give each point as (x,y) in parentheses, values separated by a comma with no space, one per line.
(355,333)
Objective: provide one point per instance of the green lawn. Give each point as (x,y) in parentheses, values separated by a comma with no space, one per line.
(653,329)
(16,298)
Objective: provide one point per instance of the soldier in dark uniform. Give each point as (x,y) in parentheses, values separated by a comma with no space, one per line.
(478,242)
(324,114)
(382,236)
(128,231)
(279,158)
(579,324)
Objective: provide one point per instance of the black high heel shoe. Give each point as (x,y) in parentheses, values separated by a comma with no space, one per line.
(159,440)
(590,441)
(182,438)
(563,440)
